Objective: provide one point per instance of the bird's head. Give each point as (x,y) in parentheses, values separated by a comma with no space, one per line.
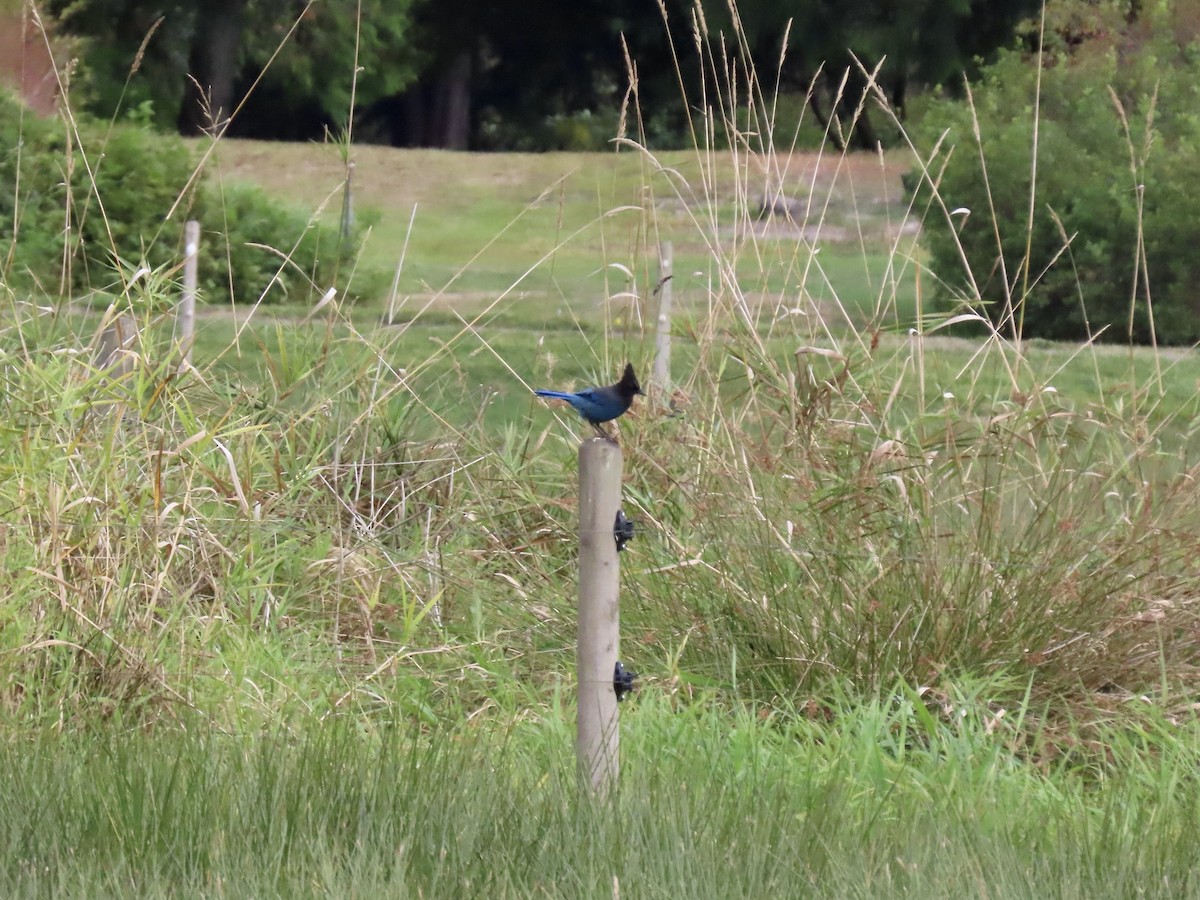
(628,385)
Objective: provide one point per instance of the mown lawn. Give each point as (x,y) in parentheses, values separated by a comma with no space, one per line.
(578,231)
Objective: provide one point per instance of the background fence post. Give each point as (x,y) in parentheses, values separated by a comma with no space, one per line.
(597,744)
(114,353)
(186,319)
(347,226)
(662,338)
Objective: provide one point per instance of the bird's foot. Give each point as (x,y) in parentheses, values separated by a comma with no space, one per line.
(604,434)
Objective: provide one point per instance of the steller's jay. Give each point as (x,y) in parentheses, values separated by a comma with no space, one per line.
(602,404)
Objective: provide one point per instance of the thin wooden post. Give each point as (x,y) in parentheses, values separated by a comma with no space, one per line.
(114,353)
(347,207)
(662,338)
(597,745)
(186,318)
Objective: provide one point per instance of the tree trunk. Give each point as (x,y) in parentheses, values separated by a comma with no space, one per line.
(452,104)
(899,95)
(859,132)
(865,137)
(814,103)
(212,68)
(436,111)
(413,130)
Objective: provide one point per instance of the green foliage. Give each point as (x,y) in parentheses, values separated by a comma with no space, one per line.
(318,64)
(125,55)
(1116,213)
(580,131)
(133,54)
(32,195)
(258,247)
(908,45)
(115,186)
(120,201)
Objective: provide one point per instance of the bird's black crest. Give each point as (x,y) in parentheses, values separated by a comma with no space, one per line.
(628,385)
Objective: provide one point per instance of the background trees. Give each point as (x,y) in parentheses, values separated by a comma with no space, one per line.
(920,44)
(189,64)
(497,73)
(1107,247)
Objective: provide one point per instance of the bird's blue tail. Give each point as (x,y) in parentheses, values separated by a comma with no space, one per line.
(561,395)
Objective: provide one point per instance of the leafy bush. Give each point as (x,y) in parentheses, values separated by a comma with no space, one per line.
(247,238)
(116,194)
(137,176)
(32,154)
(1117,130)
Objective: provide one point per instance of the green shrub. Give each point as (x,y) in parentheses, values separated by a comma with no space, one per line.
(137,176)
(116,195)
(247,238)
(32,197)
(1115,128)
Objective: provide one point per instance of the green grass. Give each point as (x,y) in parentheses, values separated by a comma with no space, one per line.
(710,805)
(570,230)
(487,370)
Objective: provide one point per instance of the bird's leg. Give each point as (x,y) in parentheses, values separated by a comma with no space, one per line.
(604,434)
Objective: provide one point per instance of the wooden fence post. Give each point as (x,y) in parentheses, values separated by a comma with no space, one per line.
(347,226)
(597,743)
(186,318)
(662,337)
(114,353)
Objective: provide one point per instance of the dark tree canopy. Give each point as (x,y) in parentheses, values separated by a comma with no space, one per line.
(493,73)
(920,43)
(526,74)
(189,63)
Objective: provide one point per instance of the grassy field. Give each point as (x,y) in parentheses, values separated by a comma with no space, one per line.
(913,614)
(552,260)
(578,231)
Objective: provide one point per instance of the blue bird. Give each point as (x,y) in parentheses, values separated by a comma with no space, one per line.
(602,404)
